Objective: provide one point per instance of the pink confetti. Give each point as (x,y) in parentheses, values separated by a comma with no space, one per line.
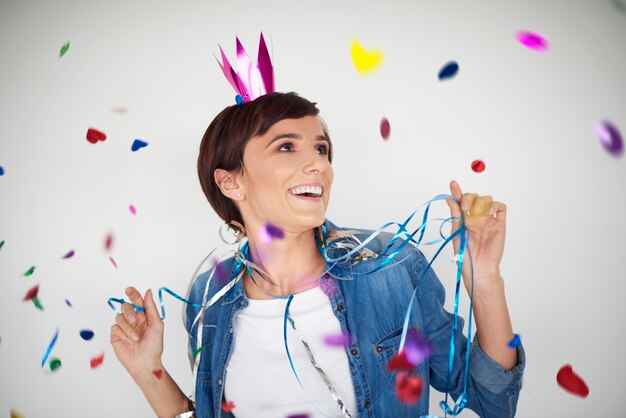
(119,110)
(108,242)
(132,209)
(385,128)
(532,40)
(112,260)
(97,361)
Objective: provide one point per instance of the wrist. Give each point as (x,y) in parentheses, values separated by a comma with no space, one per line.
(148,371)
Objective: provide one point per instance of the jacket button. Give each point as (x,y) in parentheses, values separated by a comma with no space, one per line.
(219,382)
(242,302)
(367,404)
(354,352)
(340,308)
(378,349)
(326,275)
(230,330)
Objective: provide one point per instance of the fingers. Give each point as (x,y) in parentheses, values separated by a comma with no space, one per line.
(152,312)
(455,189)
(127,329)
(134,296)
(117,335)
(498,211)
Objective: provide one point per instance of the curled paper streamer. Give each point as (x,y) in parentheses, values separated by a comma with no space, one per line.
(49,348)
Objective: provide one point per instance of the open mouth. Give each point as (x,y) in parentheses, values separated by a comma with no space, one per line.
(307,191)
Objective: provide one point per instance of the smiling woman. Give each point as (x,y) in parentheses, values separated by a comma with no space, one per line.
(257,333)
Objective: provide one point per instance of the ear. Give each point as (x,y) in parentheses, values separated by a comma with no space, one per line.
(229,184)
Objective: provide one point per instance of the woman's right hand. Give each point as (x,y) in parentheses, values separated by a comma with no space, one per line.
(136,337)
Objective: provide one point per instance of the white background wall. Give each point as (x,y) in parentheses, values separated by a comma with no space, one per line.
(528,115)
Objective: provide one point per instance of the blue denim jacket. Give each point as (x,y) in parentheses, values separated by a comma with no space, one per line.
(370,308)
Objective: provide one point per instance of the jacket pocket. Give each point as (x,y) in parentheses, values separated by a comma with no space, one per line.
(385,348)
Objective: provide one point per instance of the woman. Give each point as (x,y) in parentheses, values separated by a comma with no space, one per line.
(270,161)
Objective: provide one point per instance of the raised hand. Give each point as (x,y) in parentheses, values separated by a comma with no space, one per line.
(137,338)
(487,232)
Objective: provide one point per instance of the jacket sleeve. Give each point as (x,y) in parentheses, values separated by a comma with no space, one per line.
(491,390)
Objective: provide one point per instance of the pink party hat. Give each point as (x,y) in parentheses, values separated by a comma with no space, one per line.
(250,81)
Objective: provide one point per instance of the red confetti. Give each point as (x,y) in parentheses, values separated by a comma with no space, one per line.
(409,388)
(571,382)
(108,242)
(32,293)
(97,361)
(94,135)
(228,406)
(478,166)
(399,362)
(158,373)
(112,260)
(385,128)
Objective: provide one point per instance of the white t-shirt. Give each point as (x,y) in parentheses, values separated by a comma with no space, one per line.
(259,379)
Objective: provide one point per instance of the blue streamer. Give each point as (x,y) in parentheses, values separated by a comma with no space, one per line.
(161,304)
(50,347)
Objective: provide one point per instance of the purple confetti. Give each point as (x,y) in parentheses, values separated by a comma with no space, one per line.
(416,347)
(220,273)
(271,232)
(337,340)
(68,303)
(132,209)
(610,138)
(70,254)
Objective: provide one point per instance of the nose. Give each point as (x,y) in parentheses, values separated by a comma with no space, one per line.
(315,163)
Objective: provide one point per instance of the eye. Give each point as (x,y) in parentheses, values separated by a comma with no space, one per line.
(322,149)
(286,147)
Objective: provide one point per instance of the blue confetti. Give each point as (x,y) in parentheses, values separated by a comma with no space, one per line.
(515,341)
(239,100)
(86,334)
(449,70)
(137,144)
(1,170)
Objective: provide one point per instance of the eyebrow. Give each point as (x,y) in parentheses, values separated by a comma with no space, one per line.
(295,136)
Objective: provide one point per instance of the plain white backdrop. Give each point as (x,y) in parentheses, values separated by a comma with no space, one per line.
(528,115)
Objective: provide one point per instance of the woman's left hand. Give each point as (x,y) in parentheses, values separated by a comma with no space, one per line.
(486,237)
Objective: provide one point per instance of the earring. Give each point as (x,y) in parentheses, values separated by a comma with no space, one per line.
(238,194)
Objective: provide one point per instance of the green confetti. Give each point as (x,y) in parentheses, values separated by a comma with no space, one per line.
(1,243)
(54,363)
(198,351)
(64,49)
(37,303)
(30,271)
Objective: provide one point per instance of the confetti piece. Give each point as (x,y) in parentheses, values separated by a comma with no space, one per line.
(621,6)
(448,71)
(399,362)
(228,406)
(112,260)
(571,382)
(49,348)
(138,144)
(239,100)
(86,334)
(15,414)
(270,232)
(515,341)
(220,274)
(68,303)
(1,243)
(1,171)
(30,271)
(158,373)
(532,40)
(385,128)
(478,166)
(97,361)
(480,207)
(70,254)
(37,303)
(337,340)
(417,348)
(365,61)
(299,416)
(119,110)
(31,293)
(610,138)
(409,388)
(198,351)
(64,49)
(94,135)
(54,364)
(132,209)
(108,242)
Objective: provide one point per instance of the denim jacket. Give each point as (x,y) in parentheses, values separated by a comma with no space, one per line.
(371,309)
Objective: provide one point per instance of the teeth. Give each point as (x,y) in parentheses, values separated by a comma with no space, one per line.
(315,190)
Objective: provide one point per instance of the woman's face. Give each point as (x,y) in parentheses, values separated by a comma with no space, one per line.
(287,176)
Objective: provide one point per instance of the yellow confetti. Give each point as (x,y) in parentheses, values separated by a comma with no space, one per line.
(15,414)
(480,207)
(365,61)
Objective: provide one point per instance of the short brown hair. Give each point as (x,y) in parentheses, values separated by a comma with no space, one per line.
(226,137)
